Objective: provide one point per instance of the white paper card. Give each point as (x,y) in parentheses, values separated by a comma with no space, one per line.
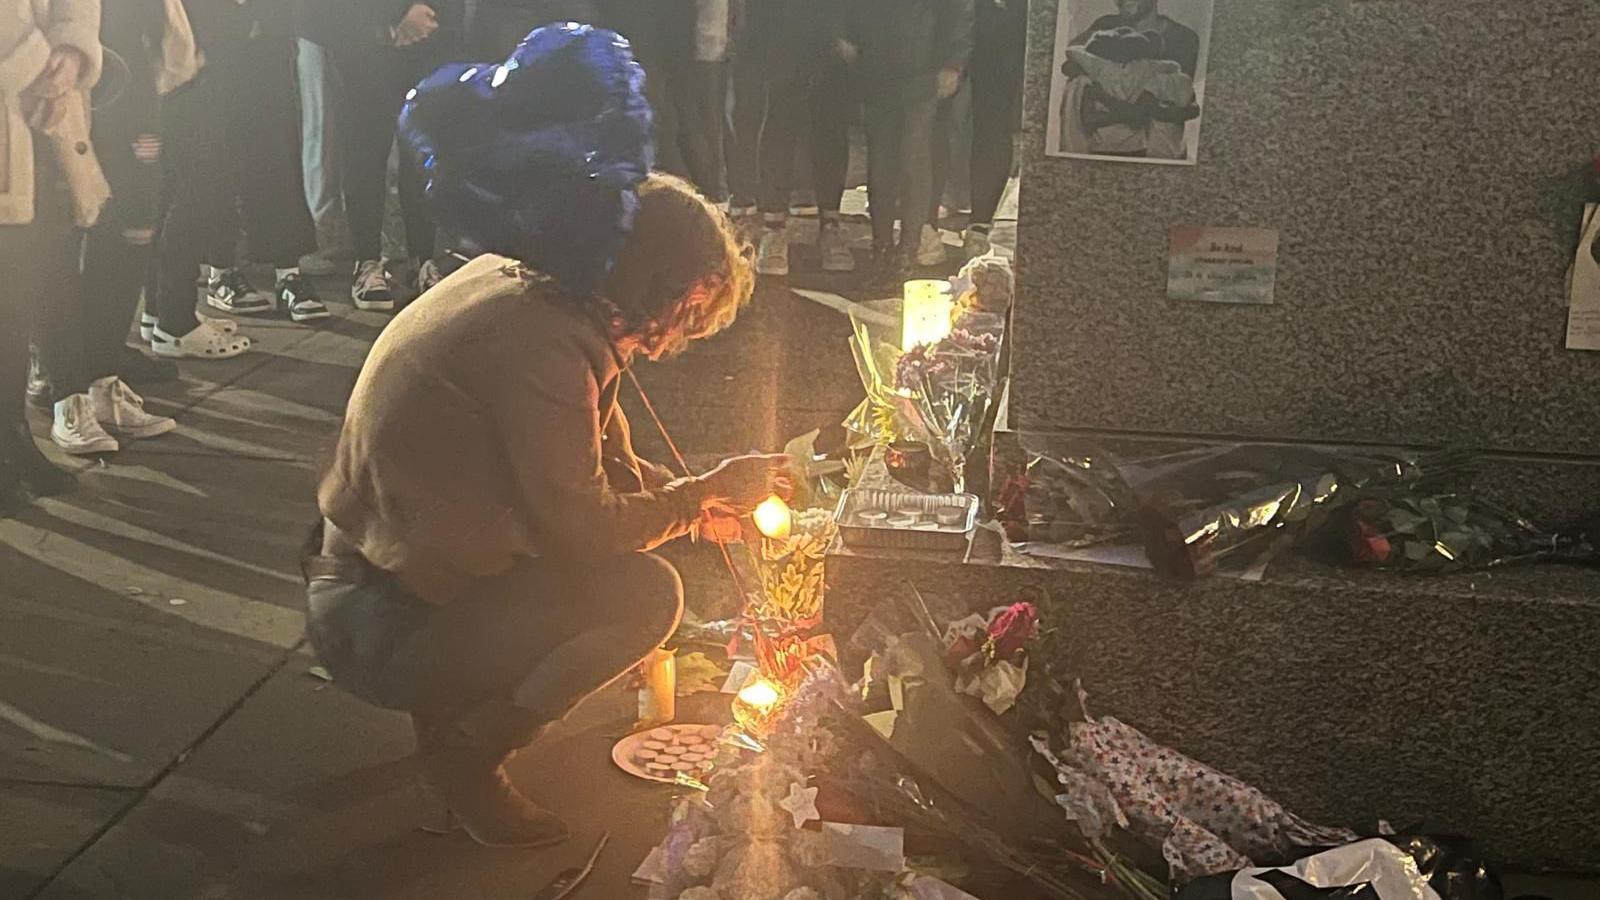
(1583,315)
(868,847)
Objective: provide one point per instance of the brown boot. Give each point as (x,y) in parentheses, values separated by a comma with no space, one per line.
(462,759)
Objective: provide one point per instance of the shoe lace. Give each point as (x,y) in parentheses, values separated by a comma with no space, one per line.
(235,281)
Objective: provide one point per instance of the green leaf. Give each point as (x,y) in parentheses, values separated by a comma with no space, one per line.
(1417,551)
(1457,514)
(1404,521)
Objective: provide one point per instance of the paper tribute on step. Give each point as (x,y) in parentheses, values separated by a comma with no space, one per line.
(1583,315)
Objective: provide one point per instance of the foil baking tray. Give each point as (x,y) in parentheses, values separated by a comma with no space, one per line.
(905,520)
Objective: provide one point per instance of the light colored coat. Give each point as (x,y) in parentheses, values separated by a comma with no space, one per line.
(29,30)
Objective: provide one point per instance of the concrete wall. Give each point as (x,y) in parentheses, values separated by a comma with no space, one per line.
(1425,162)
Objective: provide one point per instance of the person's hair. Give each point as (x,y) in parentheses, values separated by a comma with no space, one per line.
(1123,44)
(683,272)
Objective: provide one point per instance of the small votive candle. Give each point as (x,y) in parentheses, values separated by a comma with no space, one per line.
(949,515)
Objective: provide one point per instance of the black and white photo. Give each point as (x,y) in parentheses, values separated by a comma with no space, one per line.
(1129,80)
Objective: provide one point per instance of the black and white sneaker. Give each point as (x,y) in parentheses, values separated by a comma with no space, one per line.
(229,291)
(372,289)
(296,294)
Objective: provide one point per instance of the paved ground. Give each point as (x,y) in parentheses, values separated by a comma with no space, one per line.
(160,736)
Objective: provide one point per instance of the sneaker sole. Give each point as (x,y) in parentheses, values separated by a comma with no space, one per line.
(238,310)
(91,449)
(166,426)
(374,305)
(840,266)
(309,317)
(774,271)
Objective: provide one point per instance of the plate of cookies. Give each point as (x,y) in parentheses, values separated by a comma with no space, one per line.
(659,754)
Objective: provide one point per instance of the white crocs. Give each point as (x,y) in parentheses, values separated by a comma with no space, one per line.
(208,341)
(147,324)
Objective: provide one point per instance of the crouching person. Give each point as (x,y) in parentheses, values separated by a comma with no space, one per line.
(483,558)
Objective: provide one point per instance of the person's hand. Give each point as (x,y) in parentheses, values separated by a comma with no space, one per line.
(720,528)
(846,50)
(738,485)
(949,83)
(44,114)
(418,24)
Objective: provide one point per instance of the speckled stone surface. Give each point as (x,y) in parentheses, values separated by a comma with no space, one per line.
(1425,164)
(1348,696)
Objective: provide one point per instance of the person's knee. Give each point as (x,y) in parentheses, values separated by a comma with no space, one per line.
(655,585)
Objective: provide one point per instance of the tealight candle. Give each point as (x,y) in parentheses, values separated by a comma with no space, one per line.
(949,515)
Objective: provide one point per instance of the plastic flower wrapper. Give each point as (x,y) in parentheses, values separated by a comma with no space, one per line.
(1068,493)
(791,571)
(886,415)
(954,385)
(1435,867)
(1453,533)
(1288,493)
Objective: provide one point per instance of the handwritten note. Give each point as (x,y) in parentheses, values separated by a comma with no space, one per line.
(1223,265)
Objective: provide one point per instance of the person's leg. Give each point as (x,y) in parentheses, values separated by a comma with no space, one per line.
(371,106)
(40,265)
(197,199)
(788,106)
(272,185)
(705,103)
(319,160)
(916,176)
(997,76)
(884,167)
(830,163)
(928,239)
(748,113)
(484,675)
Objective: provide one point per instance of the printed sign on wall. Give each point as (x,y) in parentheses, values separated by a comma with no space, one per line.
(1223,265)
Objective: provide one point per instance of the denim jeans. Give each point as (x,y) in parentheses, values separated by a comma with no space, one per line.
(544,635)
(320,150)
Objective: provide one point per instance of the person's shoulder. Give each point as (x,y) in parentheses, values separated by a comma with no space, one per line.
(1173,25)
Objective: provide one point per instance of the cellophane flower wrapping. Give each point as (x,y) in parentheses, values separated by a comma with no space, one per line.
(1442,533)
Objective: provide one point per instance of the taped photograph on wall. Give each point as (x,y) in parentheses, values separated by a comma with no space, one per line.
(1129,80)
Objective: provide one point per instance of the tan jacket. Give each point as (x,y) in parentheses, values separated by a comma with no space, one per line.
(29,30)
(477,435)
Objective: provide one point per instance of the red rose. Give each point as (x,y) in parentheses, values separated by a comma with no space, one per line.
(1011,629)
(1370,544)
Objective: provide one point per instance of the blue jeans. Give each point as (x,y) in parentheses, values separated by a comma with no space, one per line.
(543,635)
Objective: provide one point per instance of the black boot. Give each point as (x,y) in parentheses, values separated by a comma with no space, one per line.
(462,760)
(39,475)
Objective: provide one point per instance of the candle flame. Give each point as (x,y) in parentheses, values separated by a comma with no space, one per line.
(772,518)
(760,694)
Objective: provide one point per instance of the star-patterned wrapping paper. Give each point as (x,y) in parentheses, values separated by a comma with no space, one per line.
(1205,821)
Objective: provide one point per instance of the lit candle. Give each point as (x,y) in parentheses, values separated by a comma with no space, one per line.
(925,310)
(754,705)
(772,518)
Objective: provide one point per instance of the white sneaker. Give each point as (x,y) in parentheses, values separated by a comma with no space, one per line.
(77,431)
(147,325)
(207,341)
(372,289)
(428,275)
(772,256)
(976,243)
(120,411)
(835,250)
(229,291)
(930,250)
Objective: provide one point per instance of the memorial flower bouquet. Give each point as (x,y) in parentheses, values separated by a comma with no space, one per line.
(954,385)
(1443,533)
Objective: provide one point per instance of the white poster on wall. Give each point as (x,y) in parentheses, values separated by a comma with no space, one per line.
(1129,80)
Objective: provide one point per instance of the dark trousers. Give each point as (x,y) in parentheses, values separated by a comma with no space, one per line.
(900,169)
(82,342)
(38,269)
(997,71)
(544,635)
(776,120)
(375,86)
(231,144)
